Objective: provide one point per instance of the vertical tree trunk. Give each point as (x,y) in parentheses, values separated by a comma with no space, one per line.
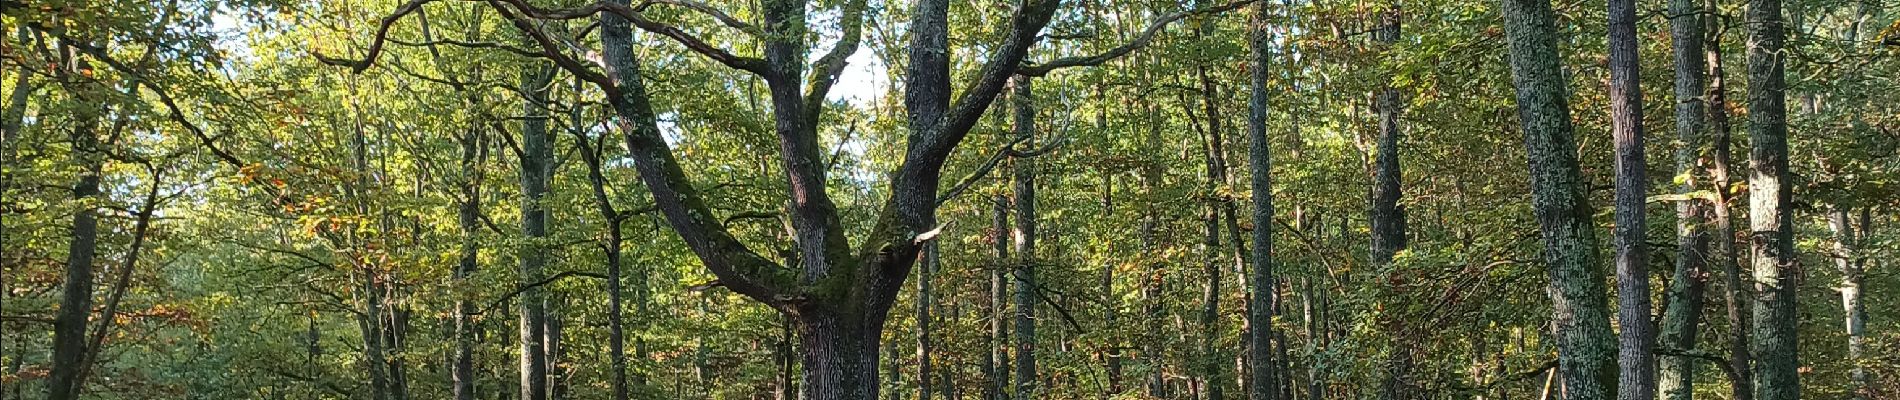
(75,300)
(1771,223)
(536,161)
(1683,313)
(462,372)
(1153,278)
(840,355)
(556,346)
(1586,347)
(592,154)
(1847,257)
(1027,382)
(1262,380)
(1734,290)
(1637,341)
(1111,309)
(924,301)
(998,365)
(1388,217)
(370,322)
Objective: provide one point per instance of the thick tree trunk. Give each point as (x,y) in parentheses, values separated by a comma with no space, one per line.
(841,355)
(536,162)
(1388,217)
(1262,379)
(1027,381)
(1675,376)
(1771,222)
(75,300)
(1734,290)
(1586,347)
(1847,257)
(1637,341)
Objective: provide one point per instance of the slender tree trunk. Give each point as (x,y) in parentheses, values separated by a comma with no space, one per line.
(1153,276)
(1847,257)
(997,366)
(556,346)
(536,162)
(142,223)
(1683,312)
(1586,347)
(1027,381)
(1735,291)
(1637,341)
(924,301)
(1771,222)
(462,373)
(370,322)
(75,301)
(1262,380)
(1111,309)
(592,154)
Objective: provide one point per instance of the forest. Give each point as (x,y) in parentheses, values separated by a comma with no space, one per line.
(945,199)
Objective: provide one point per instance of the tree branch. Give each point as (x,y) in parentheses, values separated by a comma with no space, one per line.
(511,295)
(828,68)
(1146,36)
(749,64)
(376,42)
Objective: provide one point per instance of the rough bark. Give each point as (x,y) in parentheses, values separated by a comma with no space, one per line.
(1637,340)
(1675,375)
(1022,101)
(1388,219)
(537,156)
(1771,222)
(1727,255)
(1262,382)
(1586,347)
(1388,216)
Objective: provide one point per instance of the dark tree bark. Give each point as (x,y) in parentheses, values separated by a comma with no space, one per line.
(592,152)
(1771,222)
(108,316)
(75,300)
(468,214)
(1675,376)
(1262,379)
(1586,347)
(1637,341)
(1735,291)
(537,156)
(1022,100)
(1388,217)
(1208,358)
(998,357)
